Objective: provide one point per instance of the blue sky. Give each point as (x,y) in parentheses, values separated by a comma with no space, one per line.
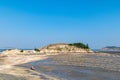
(35,23)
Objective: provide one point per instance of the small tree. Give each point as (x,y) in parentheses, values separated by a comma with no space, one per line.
(87,46)
(37,50)
(80,45)
(21,50)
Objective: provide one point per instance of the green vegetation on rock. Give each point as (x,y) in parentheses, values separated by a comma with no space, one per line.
(37,50)
(21,50)
(80,45)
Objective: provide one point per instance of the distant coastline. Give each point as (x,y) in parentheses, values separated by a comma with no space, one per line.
(111,48)
(1,50)
(116,52)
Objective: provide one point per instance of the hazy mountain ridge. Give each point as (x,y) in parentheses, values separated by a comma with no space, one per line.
(111,48)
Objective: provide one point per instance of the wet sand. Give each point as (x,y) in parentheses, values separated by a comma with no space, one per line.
(9,70)
(10,77)
(78,67)
(61,67)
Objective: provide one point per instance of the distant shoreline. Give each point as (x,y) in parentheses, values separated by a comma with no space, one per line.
(1,50)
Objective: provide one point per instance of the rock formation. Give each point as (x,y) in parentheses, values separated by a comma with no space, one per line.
(65,48)
(11,52)
(53,48)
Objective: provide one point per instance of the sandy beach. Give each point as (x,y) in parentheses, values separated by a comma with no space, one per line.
(73,66)
(9,70)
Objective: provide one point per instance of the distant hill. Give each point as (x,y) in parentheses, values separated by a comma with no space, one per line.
(111,48)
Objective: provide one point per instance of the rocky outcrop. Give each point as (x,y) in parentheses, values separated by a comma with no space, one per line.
(17,51)
(29,52)
(53,48)
(11,52)
(57,48)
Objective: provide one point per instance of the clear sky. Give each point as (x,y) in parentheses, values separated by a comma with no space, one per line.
(34,23)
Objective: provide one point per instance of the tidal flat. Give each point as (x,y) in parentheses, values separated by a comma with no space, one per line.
(70,66)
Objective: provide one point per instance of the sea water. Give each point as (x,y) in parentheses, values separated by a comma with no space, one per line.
(1,50)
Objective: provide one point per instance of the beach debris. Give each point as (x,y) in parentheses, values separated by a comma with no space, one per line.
(32,68)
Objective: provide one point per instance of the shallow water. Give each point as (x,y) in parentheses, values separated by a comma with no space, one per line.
(61,72)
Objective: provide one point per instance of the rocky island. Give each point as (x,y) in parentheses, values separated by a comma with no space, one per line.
(66,48)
